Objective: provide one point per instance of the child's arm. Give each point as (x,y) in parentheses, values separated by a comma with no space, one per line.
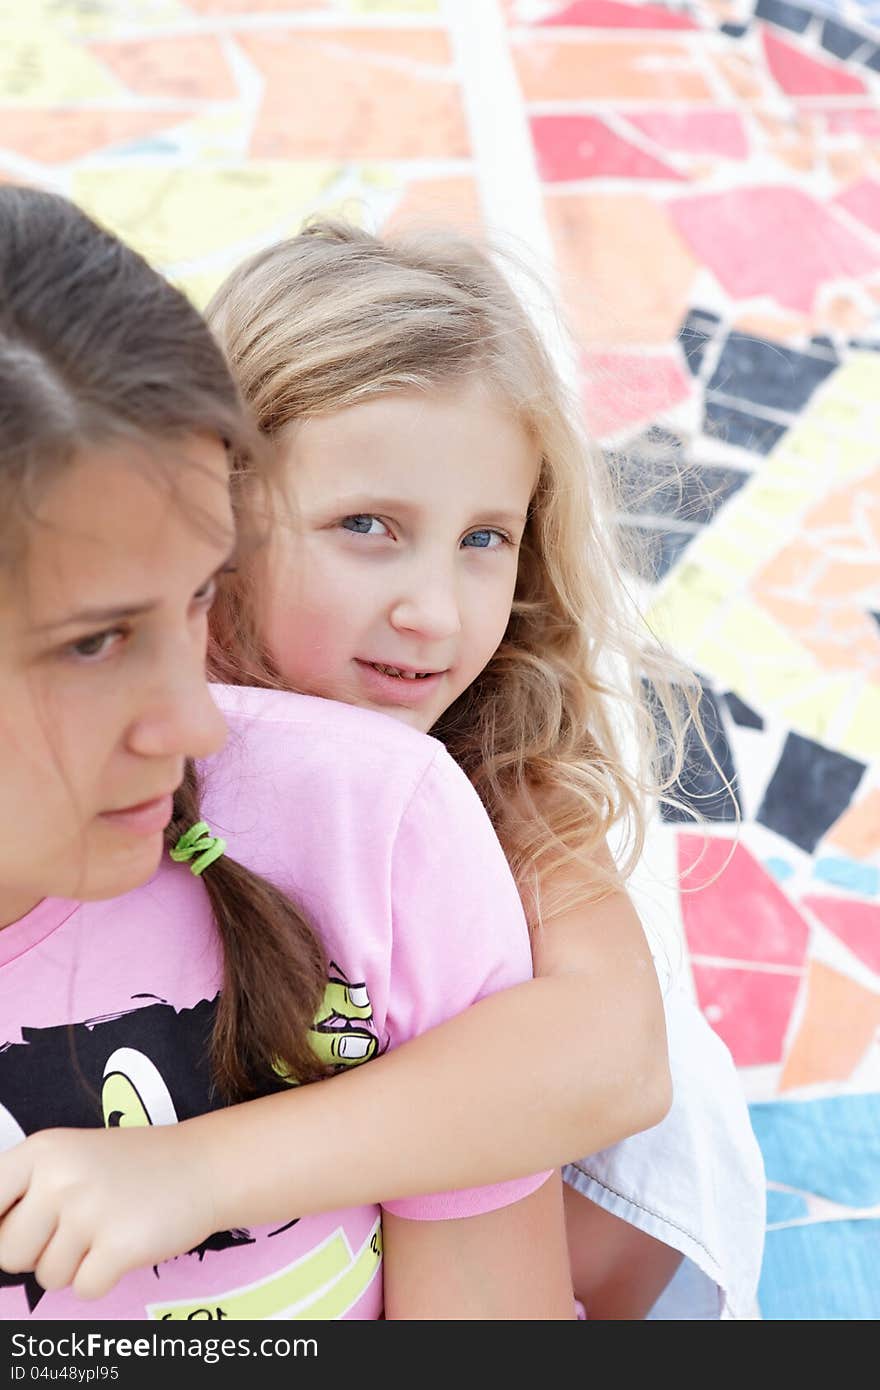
(510,1263)
(521,1081)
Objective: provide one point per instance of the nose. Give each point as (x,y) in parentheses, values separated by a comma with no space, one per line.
(179,717)
(429,604)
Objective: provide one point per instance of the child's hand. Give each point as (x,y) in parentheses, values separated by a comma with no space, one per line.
(85,1206)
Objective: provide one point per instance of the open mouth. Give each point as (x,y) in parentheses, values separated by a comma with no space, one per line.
(399,674)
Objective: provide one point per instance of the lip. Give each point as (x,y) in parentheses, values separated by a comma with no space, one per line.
(146,818)
(391,690)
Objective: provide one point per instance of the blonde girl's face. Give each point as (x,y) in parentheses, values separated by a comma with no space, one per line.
(102,686)
(390,575)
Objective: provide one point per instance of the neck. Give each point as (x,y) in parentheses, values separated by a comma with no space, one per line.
(15,904)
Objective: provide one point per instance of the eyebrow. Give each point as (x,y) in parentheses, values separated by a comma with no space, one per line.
(89,616)
(358,504)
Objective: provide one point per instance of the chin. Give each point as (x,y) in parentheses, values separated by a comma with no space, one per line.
(125,873)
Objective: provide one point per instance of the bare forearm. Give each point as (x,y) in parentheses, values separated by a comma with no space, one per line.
(507,1088)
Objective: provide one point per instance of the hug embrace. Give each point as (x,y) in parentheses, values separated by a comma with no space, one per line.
(322,698)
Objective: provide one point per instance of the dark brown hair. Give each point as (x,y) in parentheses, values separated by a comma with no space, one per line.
(96,346)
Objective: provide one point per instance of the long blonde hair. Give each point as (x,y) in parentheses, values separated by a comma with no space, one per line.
(336,316)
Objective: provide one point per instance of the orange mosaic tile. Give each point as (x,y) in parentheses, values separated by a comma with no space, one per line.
(779,328)
(350,96)
(652,69)
(56,136)
(840,580)
(789,567)
(442,202)
(184,67)
(840,1020)
(857,832)
(796,614)
(741,75)
(601,241)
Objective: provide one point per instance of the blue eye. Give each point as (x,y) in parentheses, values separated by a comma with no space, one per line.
(362,525)
(483,540)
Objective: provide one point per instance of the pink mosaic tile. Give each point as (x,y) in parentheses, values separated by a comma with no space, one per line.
(745,237)
(748,1009)
(609,14)
(865,121)
(838,1025)
(742,914)
(622,390)
(183,67)
(584,147)
(857,924)
(863,201)
(715,133)
(801,75)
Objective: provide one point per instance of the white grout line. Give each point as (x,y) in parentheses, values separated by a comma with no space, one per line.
(510,188)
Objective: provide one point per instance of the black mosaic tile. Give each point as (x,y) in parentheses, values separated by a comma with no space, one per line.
(876,617)
(811,787)
(741,713)
(701,787)
(657,486)
(738,427)
(765,374)
(651,552)
(697,330)
(839,40)
(865,344)
(872,60)
(822,343)
(735,31)
(787,16)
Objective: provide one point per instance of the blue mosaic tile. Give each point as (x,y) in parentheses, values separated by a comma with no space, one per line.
(825,1271)
(784,1206)
(830,1146)
(848,873)
(741,713)
(779,868)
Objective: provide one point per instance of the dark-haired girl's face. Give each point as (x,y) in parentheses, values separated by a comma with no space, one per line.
(102,686)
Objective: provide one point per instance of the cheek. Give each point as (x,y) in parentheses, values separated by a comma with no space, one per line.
(307,616)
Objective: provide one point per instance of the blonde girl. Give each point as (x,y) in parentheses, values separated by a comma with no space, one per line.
(440,551)
(149,972)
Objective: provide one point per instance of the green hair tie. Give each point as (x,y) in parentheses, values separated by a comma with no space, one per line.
(198,840)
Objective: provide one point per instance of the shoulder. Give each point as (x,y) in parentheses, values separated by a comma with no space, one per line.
(324,763)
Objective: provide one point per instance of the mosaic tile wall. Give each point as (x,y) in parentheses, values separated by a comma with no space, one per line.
(701,182)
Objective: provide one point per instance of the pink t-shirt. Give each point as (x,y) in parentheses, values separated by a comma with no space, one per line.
(107,1007)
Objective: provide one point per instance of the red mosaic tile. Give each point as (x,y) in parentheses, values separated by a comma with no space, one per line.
(863,201)
(748,1009)
(857,924)
(745,237)
(183,68)
(803,76)
(626,389)
(584,147)
(694,132)
(609,14)
(740,915)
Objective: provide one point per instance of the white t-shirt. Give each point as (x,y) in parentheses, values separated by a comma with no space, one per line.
(107,1007)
